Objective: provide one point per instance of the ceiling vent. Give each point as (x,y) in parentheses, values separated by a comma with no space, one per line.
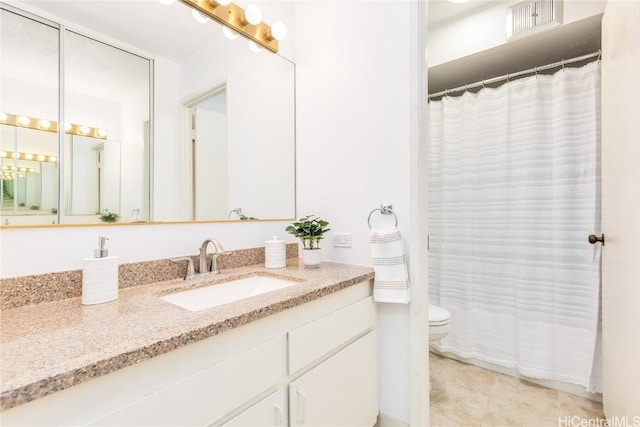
(530,17)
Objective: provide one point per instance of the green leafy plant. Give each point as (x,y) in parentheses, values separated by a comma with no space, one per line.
(107,216)
(309,230)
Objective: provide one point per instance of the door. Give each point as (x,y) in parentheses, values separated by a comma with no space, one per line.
(621,208)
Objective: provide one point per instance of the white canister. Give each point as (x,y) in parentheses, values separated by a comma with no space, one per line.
(275,253)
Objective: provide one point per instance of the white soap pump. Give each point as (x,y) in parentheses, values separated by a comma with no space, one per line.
(100,275)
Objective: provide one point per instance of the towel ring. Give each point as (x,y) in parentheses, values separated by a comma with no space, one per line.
(384,210)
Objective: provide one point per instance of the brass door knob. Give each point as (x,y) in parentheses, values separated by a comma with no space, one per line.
(593,239)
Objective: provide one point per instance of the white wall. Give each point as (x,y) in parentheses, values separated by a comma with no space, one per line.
(353,110)
(485,28)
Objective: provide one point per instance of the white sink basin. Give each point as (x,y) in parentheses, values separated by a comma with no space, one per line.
(223,293)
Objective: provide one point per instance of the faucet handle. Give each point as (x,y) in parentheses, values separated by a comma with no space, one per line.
(191,271)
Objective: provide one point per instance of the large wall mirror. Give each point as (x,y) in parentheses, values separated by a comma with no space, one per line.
(222,146)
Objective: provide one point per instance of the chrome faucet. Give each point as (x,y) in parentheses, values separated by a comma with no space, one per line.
(204,268)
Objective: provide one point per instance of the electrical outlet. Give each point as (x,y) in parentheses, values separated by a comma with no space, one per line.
(341,240)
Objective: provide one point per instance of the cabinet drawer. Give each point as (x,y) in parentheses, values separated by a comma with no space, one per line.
(317,338)
(211,393)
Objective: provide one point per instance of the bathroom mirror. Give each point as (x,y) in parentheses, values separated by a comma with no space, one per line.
(159,169)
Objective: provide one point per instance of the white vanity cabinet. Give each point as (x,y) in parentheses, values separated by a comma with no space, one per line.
(313,364)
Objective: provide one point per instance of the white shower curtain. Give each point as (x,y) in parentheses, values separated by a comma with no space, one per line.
(514,191)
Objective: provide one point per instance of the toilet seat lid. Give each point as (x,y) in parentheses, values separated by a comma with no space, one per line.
(438,315)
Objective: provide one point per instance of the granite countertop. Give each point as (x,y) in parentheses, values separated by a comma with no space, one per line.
(52,346)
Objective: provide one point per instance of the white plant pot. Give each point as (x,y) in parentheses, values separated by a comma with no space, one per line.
(312,257)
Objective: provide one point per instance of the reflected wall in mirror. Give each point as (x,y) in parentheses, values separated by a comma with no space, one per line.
(105,98)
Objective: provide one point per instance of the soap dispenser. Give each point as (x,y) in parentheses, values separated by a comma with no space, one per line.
(100,276)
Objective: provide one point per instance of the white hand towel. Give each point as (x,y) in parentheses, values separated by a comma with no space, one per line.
(391,282)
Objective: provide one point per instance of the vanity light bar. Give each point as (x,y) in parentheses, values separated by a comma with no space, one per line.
(27,156)
(233,16)
(51,126)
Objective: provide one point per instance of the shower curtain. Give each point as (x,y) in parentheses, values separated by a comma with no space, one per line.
(514,191)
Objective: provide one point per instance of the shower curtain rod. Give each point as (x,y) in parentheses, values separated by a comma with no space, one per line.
(507,77)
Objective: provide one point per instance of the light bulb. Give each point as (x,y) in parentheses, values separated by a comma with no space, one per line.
(28,156)
(84,129)
(44,124)
(24,120)
(253,46)
(41,157)
(229,33)
(252,14)
(167,2)
(3,117)
(67,127)
(278,30)
(102,133)
(32,170)
(52,159)
(3,154)
(199,17)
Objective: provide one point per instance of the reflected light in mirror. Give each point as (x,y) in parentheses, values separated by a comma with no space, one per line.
(254,47)
(229,33)
(199,17)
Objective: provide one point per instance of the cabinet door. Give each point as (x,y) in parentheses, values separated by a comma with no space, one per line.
(342,390)
(270,411)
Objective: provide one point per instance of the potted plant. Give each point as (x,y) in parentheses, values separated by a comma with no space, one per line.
(310,230)
(107,216)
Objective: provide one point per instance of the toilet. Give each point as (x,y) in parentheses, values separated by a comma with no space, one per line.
(438,323)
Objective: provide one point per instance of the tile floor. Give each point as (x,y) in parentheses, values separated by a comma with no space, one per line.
(466,395)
